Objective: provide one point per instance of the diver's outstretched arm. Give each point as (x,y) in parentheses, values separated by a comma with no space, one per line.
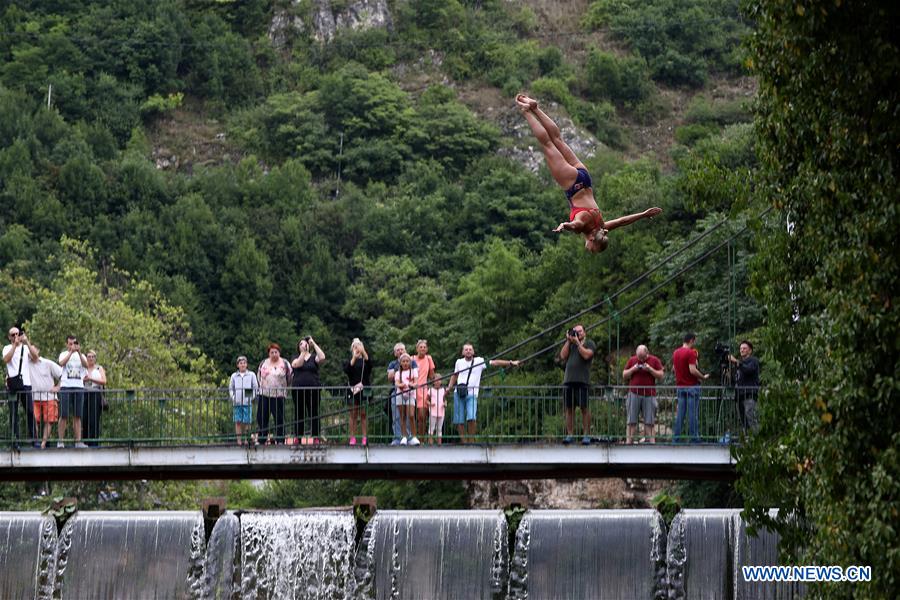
(629,219)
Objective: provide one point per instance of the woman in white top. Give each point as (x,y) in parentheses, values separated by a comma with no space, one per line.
(94,382)
(405,381)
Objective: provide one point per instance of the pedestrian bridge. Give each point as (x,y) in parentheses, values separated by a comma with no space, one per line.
(189,434)
(471,461)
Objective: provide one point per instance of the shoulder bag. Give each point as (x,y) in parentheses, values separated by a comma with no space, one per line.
(16,383)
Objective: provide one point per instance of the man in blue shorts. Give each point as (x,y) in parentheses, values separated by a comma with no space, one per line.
(467,374)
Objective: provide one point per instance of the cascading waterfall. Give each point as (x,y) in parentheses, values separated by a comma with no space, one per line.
(222,577)
(699,555)
(130,555)
(27,542)
(759,550)
(602,554)
(297,554)
(434,554)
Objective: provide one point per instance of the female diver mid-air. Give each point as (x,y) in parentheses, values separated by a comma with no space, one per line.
(571,174)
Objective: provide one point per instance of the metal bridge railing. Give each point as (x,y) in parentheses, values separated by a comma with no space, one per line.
(505,414)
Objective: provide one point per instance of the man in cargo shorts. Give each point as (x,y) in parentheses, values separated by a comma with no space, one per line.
(45,378)
(643,370)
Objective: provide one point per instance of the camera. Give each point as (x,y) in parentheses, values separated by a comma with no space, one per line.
(722,351)
(572,332)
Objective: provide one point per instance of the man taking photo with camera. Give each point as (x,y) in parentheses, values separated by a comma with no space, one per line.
(576,356)
(643,370)
(18,355)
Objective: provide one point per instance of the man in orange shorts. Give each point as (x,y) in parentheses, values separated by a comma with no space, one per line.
(45,377)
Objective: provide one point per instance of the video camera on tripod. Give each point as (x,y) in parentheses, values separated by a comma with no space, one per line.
(722,351)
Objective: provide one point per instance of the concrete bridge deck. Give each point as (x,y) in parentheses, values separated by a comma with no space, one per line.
(495,461)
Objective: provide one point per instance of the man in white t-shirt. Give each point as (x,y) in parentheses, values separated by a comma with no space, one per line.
(71,391)
(45,378)
(467,372)
(18,350)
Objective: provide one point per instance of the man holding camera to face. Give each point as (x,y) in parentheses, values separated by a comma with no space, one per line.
(576,356)
(18,355)
(643,370)
(71,390)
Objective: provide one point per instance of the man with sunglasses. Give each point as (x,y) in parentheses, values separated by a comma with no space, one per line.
(14,355)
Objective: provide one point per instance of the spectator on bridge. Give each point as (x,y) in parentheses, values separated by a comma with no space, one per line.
(405,381)
(71,391)
(437,406)
(425,365)
(18,355)
(576,356)
(45,379)
(643,370)
(94,382)
(393,366)
(746,386)
(274,376)
(242,388)
(307,391)
(687,382)
(359,376)
(467,373)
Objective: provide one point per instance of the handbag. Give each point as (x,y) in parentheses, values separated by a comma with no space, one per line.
(16,383)
(104,403)
(462,391)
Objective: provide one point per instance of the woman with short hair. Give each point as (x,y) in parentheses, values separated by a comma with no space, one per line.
(274,376)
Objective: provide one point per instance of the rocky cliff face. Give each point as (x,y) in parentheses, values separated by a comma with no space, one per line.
(326,17)
(526,150)
(564,493)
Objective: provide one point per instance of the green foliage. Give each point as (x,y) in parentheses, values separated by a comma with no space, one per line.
(667,505)
(140,339)
(622,80)
(156,105)
(827,451)
(683,41)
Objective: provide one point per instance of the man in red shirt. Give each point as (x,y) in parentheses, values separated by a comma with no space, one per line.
(643,371)
(687,380)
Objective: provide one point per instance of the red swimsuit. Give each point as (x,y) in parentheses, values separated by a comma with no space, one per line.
(598,217)
(582,182)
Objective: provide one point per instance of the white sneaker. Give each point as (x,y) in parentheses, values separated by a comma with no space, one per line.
(80,445)
(414,441)
(60,445)
(402,441)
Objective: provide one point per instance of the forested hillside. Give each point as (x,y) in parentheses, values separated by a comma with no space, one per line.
(253,171)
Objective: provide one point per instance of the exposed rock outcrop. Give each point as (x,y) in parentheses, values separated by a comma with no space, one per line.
(327,17)
(526,150)
(564,493)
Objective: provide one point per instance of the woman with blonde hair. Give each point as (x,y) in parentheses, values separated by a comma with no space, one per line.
(359,375)
(426,373)
(94,382)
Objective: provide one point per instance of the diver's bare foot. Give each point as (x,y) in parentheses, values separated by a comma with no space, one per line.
(528,103)
(652,212)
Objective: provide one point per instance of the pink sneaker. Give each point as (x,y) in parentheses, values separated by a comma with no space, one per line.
(365,442)
(353,441)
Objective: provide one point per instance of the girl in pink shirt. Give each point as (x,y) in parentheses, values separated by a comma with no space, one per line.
(436,405)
